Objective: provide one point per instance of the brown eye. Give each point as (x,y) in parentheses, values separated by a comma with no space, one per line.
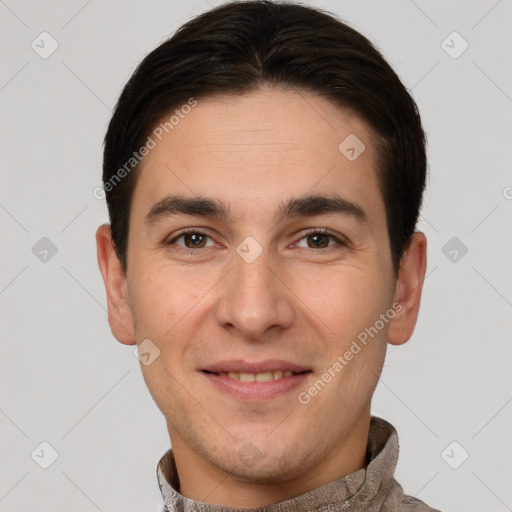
(318,240)
(192,240)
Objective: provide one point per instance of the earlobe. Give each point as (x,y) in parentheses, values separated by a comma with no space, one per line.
(120,316)
(409,286)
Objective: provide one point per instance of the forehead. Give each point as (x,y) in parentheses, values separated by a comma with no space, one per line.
(251,150)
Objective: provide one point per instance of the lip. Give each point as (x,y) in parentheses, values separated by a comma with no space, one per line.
(242,366)
(256,391)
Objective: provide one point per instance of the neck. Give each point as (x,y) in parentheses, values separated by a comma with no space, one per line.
(202,481)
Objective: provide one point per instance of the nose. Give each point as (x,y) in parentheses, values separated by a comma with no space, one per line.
(255,298)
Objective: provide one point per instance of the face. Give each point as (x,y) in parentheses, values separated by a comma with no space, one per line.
(256,246)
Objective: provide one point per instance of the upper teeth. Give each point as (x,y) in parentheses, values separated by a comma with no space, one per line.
(260,377)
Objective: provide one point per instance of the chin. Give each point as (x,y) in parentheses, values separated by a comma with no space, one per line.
(265,473)
(264,465)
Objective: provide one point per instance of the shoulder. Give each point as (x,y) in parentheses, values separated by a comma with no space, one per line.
(398,501)
(411,504)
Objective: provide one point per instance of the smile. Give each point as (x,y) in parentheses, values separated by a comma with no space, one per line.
(257,387)
(258,377)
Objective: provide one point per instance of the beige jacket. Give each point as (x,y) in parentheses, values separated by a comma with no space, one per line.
(372,489)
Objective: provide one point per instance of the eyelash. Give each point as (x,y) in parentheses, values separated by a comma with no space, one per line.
(309,232)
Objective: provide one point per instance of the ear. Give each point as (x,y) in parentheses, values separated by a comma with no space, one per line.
(408,290)
(120,316)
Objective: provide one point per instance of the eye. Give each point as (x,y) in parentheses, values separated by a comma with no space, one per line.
(192,239)
(319,239)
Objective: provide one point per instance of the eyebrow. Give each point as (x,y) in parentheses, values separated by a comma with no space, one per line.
(304,206)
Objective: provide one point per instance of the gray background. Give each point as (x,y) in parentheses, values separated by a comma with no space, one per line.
(66,381)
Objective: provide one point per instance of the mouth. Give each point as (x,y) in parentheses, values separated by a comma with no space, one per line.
(257,377)
(248,381)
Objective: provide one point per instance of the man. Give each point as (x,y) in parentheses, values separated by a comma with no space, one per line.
(264,170)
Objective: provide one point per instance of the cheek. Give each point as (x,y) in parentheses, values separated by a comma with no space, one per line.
(152,304)
(160,296)
(164,311)
(168,305)
(346,300)
(347,311)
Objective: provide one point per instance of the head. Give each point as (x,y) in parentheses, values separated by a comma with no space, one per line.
(264,171)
